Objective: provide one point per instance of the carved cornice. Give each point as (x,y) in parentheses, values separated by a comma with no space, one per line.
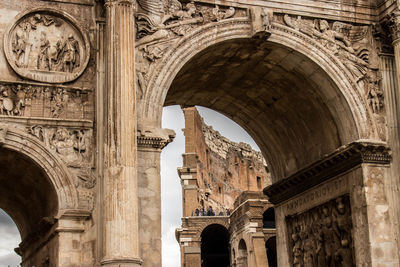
(343,159)
(154,137)
(152,142)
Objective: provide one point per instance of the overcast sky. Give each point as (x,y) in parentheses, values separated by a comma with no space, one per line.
(171,159)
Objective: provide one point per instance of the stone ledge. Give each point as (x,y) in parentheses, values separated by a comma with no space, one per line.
(32,121)
(76,2)
(340,161)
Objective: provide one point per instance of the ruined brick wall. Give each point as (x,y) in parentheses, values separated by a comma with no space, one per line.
(224,169)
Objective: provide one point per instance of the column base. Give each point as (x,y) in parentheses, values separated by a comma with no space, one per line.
(125,262)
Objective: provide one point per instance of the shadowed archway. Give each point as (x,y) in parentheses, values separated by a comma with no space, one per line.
(286,102)
(215,246)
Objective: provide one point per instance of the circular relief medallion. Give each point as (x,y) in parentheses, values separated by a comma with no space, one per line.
(48,46)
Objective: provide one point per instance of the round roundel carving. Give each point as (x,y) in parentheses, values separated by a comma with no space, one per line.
(47,45)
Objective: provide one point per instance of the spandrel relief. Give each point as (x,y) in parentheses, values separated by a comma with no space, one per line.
(322,236)
(46,46)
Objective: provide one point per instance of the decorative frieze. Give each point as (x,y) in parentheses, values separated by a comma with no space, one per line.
(45,101)
(48,46)
(340,161)
(322,236)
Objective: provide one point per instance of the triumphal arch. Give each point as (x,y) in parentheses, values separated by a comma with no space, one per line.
(83,84)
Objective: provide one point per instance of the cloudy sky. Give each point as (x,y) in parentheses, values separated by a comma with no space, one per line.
(171,159)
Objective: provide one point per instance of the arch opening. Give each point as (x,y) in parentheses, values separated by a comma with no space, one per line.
(215,246)
(27,195)
(269,218)
(242,254)
(284,100)
(270,247)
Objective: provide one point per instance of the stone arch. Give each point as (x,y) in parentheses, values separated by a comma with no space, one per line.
(343,94)
(242,253)
(215,248)
(205,36)
(53,167)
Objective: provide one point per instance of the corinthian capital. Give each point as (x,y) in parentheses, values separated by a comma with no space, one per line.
(394,24)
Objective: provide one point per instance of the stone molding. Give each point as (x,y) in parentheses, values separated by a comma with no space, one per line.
(155,138)
(343,159)
(152,142)
(118,261)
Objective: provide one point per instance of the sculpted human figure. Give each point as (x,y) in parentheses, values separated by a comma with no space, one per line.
(6,105)
(63,143)
(342,229)
(43,60)
(58,103)
(329,238)
(308,257)
(20,102)
(297,251)
(70,52)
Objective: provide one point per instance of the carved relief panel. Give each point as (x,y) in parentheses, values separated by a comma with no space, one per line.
(34,100)
(322,236)
(46,46)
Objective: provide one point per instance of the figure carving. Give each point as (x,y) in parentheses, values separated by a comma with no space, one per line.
(6,104)
(43,62)
(47,47)
(70,52)
(267,16)
(20,102)
(321,237)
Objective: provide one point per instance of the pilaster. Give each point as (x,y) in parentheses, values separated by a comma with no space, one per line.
(120,211)
(150,144)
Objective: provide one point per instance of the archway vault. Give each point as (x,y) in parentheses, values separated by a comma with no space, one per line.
(295,99)
(17,145)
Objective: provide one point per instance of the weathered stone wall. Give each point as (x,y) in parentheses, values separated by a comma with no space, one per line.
(224,169)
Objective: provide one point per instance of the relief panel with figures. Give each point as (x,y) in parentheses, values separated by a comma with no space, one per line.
(322,236)
(46,46)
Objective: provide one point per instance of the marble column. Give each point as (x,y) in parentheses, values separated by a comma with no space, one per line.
(120,208)
(150,144)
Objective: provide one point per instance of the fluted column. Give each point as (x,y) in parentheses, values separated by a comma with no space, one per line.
(150,144)
(121,227)
(390,69)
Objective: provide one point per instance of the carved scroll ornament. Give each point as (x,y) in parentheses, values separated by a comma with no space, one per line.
(46,45)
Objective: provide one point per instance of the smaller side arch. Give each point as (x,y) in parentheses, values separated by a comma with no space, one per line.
(54,168)
(215,248)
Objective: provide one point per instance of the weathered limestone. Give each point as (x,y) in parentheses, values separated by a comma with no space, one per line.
(121,215)
(304,78)
(150,144)
(347,204)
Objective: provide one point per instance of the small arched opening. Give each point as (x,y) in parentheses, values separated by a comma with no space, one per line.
(270,247)
(215,246)
(242,254)
(269,218)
